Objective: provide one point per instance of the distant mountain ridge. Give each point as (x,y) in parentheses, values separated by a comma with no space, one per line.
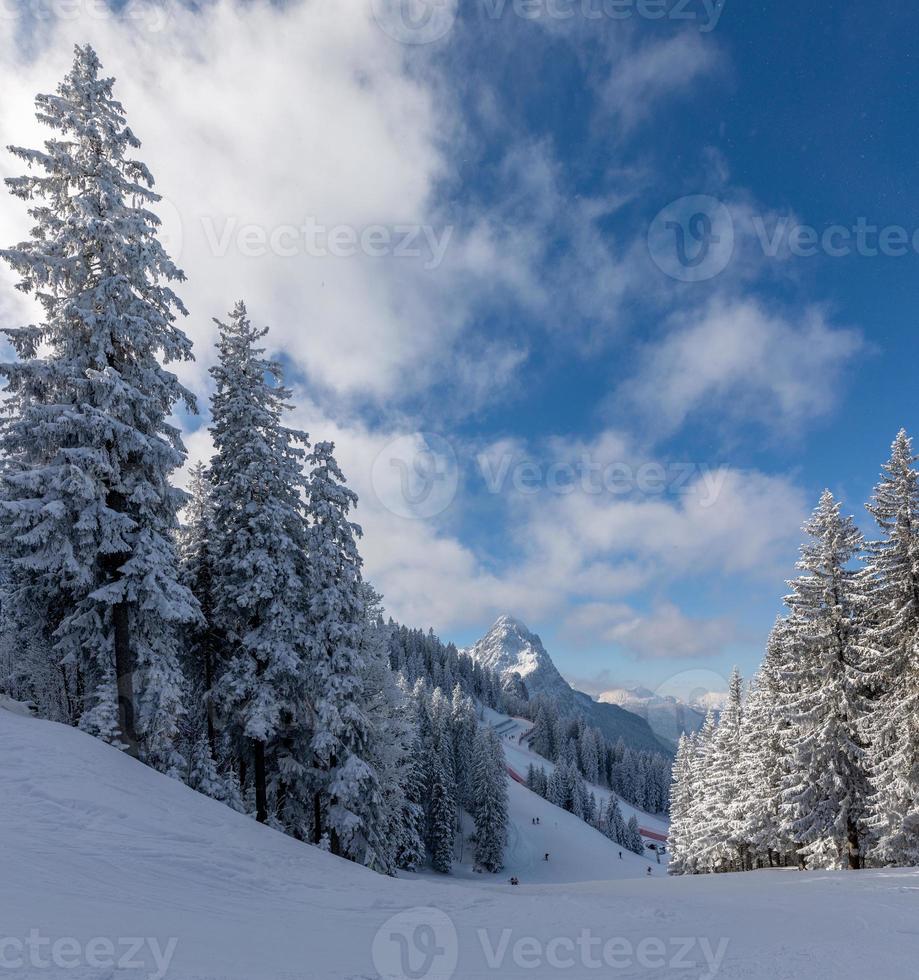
(669,717)
(509,648)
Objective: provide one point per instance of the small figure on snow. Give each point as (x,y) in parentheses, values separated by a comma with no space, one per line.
(546,858)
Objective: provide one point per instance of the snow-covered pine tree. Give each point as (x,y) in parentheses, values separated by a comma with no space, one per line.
(766,750)
(540,782)
(584,803)
(88,513)
(633,839)
(260,576)
(433,720)
(825,789)
(442,816)
(589,754)
(557,792)
(544,735)
(531,777)
(489,796)
(891,643)
(613,825)
(397,842)
(410,849)
(698,816)
(724,845)
(463,727)
(681,838)
(345,786)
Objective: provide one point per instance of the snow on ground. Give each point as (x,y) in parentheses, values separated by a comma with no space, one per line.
(96,850)
(577,851)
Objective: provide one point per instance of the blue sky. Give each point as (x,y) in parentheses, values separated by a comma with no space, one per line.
(521,322)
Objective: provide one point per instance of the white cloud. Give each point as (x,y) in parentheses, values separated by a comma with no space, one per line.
(260,118)
(737,360)
(270,115)
(652,72)
(663,633)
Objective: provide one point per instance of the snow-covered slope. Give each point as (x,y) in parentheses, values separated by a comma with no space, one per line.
(509,648)
(95,849)
(519,757)
(668,716)
(577,852)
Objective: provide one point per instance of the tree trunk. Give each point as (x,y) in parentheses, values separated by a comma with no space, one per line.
(124,672)
(261,786)
(317,819)
(209,704)
(855,851)
(121,625)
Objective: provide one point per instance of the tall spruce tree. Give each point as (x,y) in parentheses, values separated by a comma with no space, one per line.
(345,785)
(826,789)
(892,652)
(261,575)
(613,825)
(765,753)
(88,514)
(724,844)
(395,840)
(682,836)
(489,800)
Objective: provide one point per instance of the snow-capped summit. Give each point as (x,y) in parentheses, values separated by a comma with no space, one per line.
(512,651)
(510,648)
